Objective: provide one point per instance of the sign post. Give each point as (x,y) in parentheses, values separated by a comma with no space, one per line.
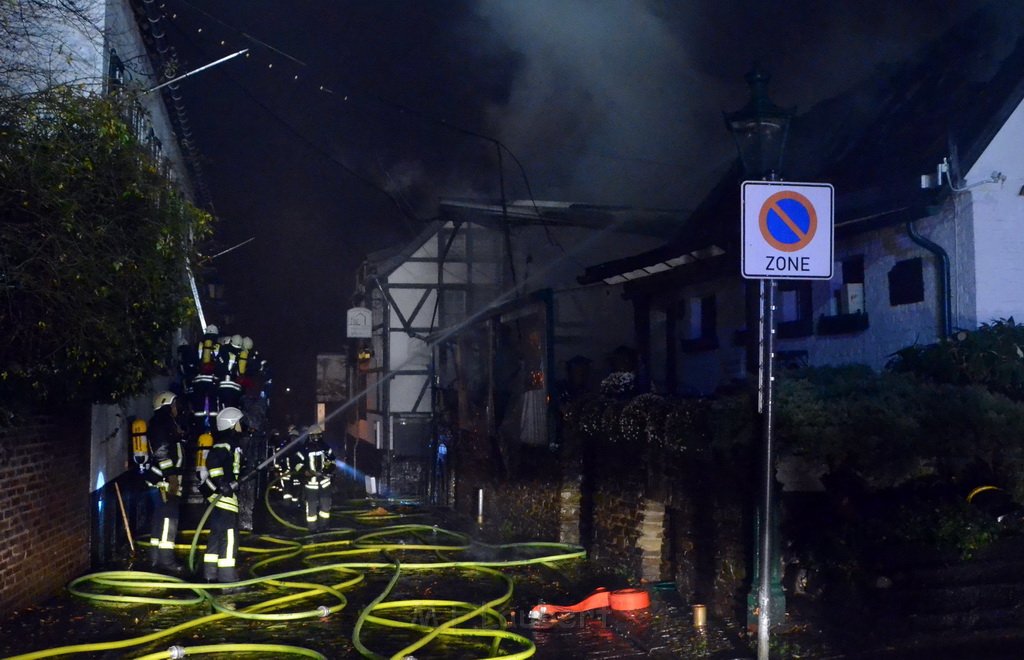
(786,233)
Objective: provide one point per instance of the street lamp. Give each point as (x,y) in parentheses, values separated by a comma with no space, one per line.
(760,129)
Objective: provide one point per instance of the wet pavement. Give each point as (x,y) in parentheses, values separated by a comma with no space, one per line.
(312,589)
(397,579)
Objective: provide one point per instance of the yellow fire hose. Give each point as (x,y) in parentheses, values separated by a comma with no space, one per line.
(348,560)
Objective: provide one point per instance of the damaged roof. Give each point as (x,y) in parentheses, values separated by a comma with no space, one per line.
(650,222)
(872,143)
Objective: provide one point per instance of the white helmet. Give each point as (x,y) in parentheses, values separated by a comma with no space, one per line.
(315,429)
(212,330)
(227,418)
(236,341)
(247,343)
(163,399)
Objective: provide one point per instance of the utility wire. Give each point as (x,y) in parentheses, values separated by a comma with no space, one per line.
(412,221)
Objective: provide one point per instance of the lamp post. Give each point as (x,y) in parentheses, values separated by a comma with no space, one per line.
(760,129)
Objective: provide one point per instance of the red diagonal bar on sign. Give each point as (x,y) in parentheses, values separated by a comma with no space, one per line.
(789,221)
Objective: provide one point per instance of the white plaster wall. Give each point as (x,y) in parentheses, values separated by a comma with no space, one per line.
(890,328)
(407,352)
(414,272)
(122,34)
(405,390)
(998,210)
(65,47)
(112,20)
(408,299)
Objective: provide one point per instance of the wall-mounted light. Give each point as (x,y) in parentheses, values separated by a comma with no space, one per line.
(942,171)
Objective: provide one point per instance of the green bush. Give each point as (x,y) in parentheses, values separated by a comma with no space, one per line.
(94,239)
(991,356)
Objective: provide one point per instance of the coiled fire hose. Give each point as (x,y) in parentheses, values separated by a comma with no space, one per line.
(349,557)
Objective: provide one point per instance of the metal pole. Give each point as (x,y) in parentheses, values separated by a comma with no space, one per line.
(195,71)
(766,400)
(195,296)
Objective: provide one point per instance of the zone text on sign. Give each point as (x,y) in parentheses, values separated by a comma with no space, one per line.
(785,264)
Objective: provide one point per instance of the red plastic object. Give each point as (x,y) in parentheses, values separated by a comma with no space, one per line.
(623,600)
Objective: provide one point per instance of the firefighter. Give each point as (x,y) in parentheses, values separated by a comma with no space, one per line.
(223,465)
(204,383)
(282,464)
(315,469)
(249,365)
(162,471)
(229,386)
(292,482)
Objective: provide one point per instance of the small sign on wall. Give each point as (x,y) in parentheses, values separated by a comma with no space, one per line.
(359,323)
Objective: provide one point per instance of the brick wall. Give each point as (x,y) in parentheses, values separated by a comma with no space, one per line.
(44,509)
(618,487)
(709,532)
(653,513)
(522,504)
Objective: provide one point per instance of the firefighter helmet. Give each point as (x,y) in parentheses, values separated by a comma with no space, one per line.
(236,341)
(212,330)
(163,399)
(247,343)
(315,429)
(228,417)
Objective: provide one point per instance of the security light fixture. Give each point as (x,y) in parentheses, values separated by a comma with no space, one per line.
(760,129)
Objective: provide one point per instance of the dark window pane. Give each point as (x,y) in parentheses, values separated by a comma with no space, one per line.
(906,282)
(853,270)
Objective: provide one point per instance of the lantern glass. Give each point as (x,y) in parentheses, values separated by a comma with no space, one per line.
(760,129)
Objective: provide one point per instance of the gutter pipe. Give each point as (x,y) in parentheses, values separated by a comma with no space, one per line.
(944,293)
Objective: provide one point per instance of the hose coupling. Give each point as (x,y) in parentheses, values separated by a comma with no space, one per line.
(324,611)
(176,652)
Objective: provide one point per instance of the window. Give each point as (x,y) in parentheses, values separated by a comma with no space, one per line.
(848,311)
(849,299)
(853,270)
(701,322)
(794,310)
(906,282)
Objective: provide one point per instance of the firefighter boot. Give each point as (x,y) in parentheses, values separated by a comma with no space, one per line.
(210,568)
(228,575)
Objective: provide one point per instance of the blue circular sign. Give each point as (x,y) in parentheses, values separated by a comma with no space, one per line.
(788,221)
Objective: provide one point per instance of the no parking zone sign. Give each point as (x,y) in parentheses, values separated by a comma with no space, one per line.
(787,230)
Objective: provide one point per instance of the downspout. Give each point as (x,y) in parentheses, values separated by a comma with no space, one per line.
(944,293)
